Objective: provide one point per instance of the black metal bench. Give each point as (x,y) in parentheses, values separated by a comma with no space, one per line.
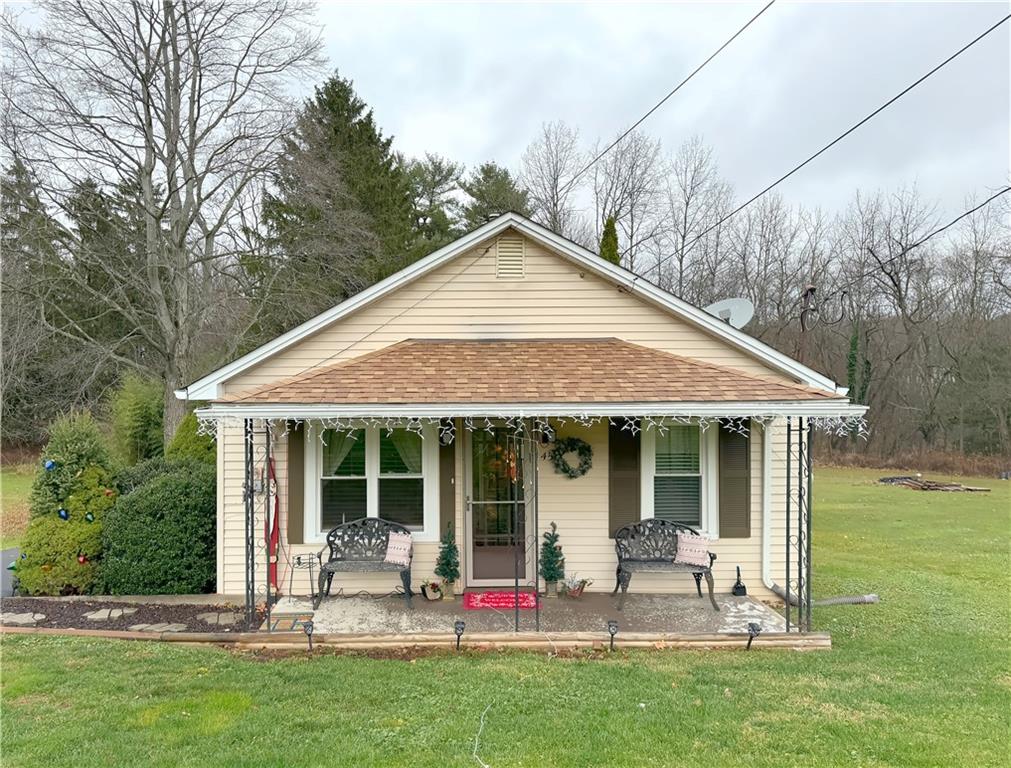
(650,546)
(360,547)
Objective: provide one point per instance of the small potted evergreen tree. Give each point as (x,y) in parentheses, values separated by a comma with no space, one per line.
(447,566)
(552,562)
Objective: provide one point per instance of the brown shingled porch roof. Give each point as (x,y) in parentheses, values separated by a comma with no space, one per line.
(428,371)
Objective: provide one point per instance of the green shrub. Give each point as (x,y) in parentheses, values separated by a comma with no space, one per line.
(136,408)
(53,546)
(75,443)
(160,539)
(188,443)
(128,479)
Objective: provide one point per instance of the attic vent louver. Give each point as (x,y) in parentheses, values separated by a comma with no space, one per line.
(509,253)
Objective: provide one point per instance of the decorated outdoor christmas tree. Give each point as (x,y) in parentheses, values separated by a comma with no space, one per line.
(447,565)
(552,560)
(71,494)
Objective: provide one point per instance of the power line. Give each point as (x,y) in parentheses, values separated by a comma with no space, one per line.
(864,275)
(662,101)
(957,219)
(835,141)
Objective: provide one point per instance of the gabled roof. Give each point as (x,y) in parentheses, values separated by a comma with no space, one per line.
(207,388)
(528,371)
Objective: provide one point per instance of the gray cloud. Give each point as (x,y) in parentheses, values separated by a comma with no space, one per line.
(474,82)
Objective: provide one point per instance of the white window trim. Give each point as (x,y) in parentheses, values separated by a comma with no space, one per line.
(312,526)
(708,463)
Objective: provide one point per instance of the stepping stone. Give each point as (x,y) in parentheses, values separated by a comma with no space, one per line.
(103,614)
(138,627)
(161,627)
(223,619)
(21,619)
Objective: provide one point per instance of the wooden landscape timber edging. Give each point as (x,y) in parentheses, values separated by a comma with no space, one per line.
(481,640)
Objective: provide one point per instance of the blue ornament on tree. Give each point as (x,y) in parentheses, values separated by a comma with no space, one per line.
(50,465)
(64,515)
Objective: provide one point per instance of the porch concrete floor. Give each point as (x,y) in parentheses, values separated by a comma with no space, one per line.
(590,613)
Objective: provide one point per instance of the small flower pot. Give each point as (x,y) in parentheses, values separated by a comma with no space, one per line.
(577,591)
(551,589)
(431,592)
(448,590)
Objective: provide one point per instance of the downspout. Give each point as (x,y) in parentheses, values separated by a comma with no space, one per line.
(766,509)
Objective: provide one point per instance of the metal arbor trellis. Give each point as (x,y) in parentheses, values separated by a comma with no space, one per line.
(255,545)
(798,528)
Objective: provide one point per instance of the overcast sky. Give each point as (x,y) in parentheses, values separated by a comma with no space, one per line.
(475,82)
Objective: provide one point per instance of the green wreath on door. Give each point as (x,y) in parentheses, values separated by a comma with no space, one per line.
(566,445)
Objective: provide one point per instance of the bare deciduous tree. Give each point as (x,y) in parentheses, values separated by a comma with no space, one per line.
(547,170)
(184,102)
(689,243)
(627,184)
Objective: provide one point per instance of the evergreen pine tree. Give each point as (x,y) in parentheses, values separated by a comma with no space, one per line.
(434,180)
(492,191)
(609,242)
(552,561)
(447,565)
(341,215)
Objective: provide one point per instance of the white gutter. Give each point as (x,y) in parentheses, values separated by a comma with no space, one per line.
(711,410)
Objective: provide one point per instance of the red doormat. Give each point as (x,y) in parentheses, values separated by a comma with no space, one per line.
(473,601)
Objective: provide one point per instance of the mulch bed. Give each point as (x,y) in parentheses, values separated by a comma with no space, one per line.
(69,614)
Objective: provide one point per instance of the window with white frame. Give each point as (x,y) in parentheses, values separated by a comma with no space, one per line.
(371,472)
(679,476)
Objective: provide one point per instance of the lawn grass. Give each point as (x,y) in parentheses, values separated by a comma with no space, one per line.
(15,485)
(921,679)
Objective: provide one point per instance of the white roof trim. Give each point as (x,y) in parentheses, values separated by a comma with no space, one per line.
(208,387)
(479,410)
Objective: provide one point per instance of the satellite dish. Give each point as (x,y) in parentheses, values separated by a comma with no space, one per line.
(737,312)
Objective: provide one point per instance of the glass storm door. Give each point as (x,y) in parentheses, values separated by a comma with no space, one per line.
(497,509)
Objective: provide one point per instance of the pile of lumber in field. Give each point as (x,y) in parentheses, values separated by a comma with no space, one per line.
(922,484)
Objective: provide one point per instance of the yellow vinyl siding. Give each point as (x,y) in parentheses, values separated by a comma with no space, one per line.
(579,507)
(465,300)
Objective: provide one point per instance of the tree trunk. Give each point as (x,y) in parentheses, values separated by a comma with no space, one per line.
(175,409)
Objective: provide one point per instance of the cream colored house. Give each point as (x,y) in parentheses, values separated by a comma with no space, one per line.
(400,401)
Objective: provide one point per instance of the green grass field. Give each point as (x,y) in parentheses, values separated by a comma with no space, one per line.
(921,679)
(15,484)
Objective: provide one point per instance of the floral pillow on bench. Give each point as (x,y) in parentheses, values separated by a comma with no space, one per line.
(693,549)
